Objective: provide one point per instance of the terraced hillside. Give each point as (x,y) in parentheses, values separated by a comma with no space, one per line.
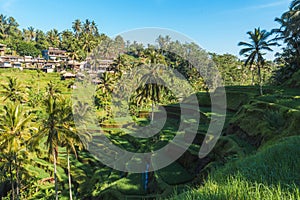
(254,126)
(250,154)
(266,164)
(188,170)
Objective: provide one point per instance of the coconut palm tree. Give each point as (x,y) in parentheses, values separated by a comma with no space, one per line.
(152,57)
(77,27)
(87,26)
(151,84)
(69,137)
(53,37)
(294,12)
(163,42)
(74,55)
(58,128)
(12,26)
(289,30)
(94,28)
(67,40)
(26,35)
(13,91)
(3,26)
(8,27)
(254,50)
(121,64)
(150,90)
(51,127)
(88,42)
(32,33)
(14,133)
(70,143)
(106,86)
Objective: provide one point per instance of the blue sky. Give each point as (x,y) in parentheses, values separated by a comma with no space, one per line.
(216,25)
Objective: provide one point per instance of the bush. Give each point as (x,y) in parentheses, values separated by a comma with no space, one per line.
(27,49)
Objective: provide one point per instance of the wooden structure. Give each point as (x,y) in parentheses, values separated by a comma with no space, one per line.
(99,66)
(55,54)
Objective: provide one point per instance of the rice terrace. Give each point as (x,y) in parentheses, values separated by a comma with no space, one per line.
(96,104)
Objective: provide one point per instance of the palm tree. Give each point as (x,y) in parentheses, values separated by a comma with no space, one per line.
(70,143)
(14,133)
(289,29)
(25,35)
(152,57)
(94,28)
(118,45)
(77,27)
(83,116)
(51,127)
(152,87)
(9,27)
(87,26)
(58,128)
(254,50)
(67,41)
(12,26)
(74,55)
(53,37)
(120,63)
(31,33)
(3,25)
(294,13)
(106,86)
(13,91)
(151,83)
(163,42)
(107,49)
(69,138)
(88,42)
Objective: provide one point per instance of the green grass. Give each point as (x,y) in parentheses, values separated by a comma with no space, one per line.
(174,174)
(272,173)
(234,188)
(34,80)
(131,185)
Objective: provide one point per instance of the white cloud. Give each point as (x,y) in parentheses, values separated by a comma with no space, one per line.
(270,5)
(260,6)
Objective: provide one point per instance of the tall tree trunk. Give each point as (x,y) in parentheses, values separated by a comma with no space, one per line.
(55,174)
(69,176)
(12,182)
(106,106)
(152,112)
(260,80)
(252,81)
(17,179)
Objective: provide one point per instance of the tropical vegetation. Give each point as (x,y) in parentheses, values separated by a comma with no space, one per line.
(45,156)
